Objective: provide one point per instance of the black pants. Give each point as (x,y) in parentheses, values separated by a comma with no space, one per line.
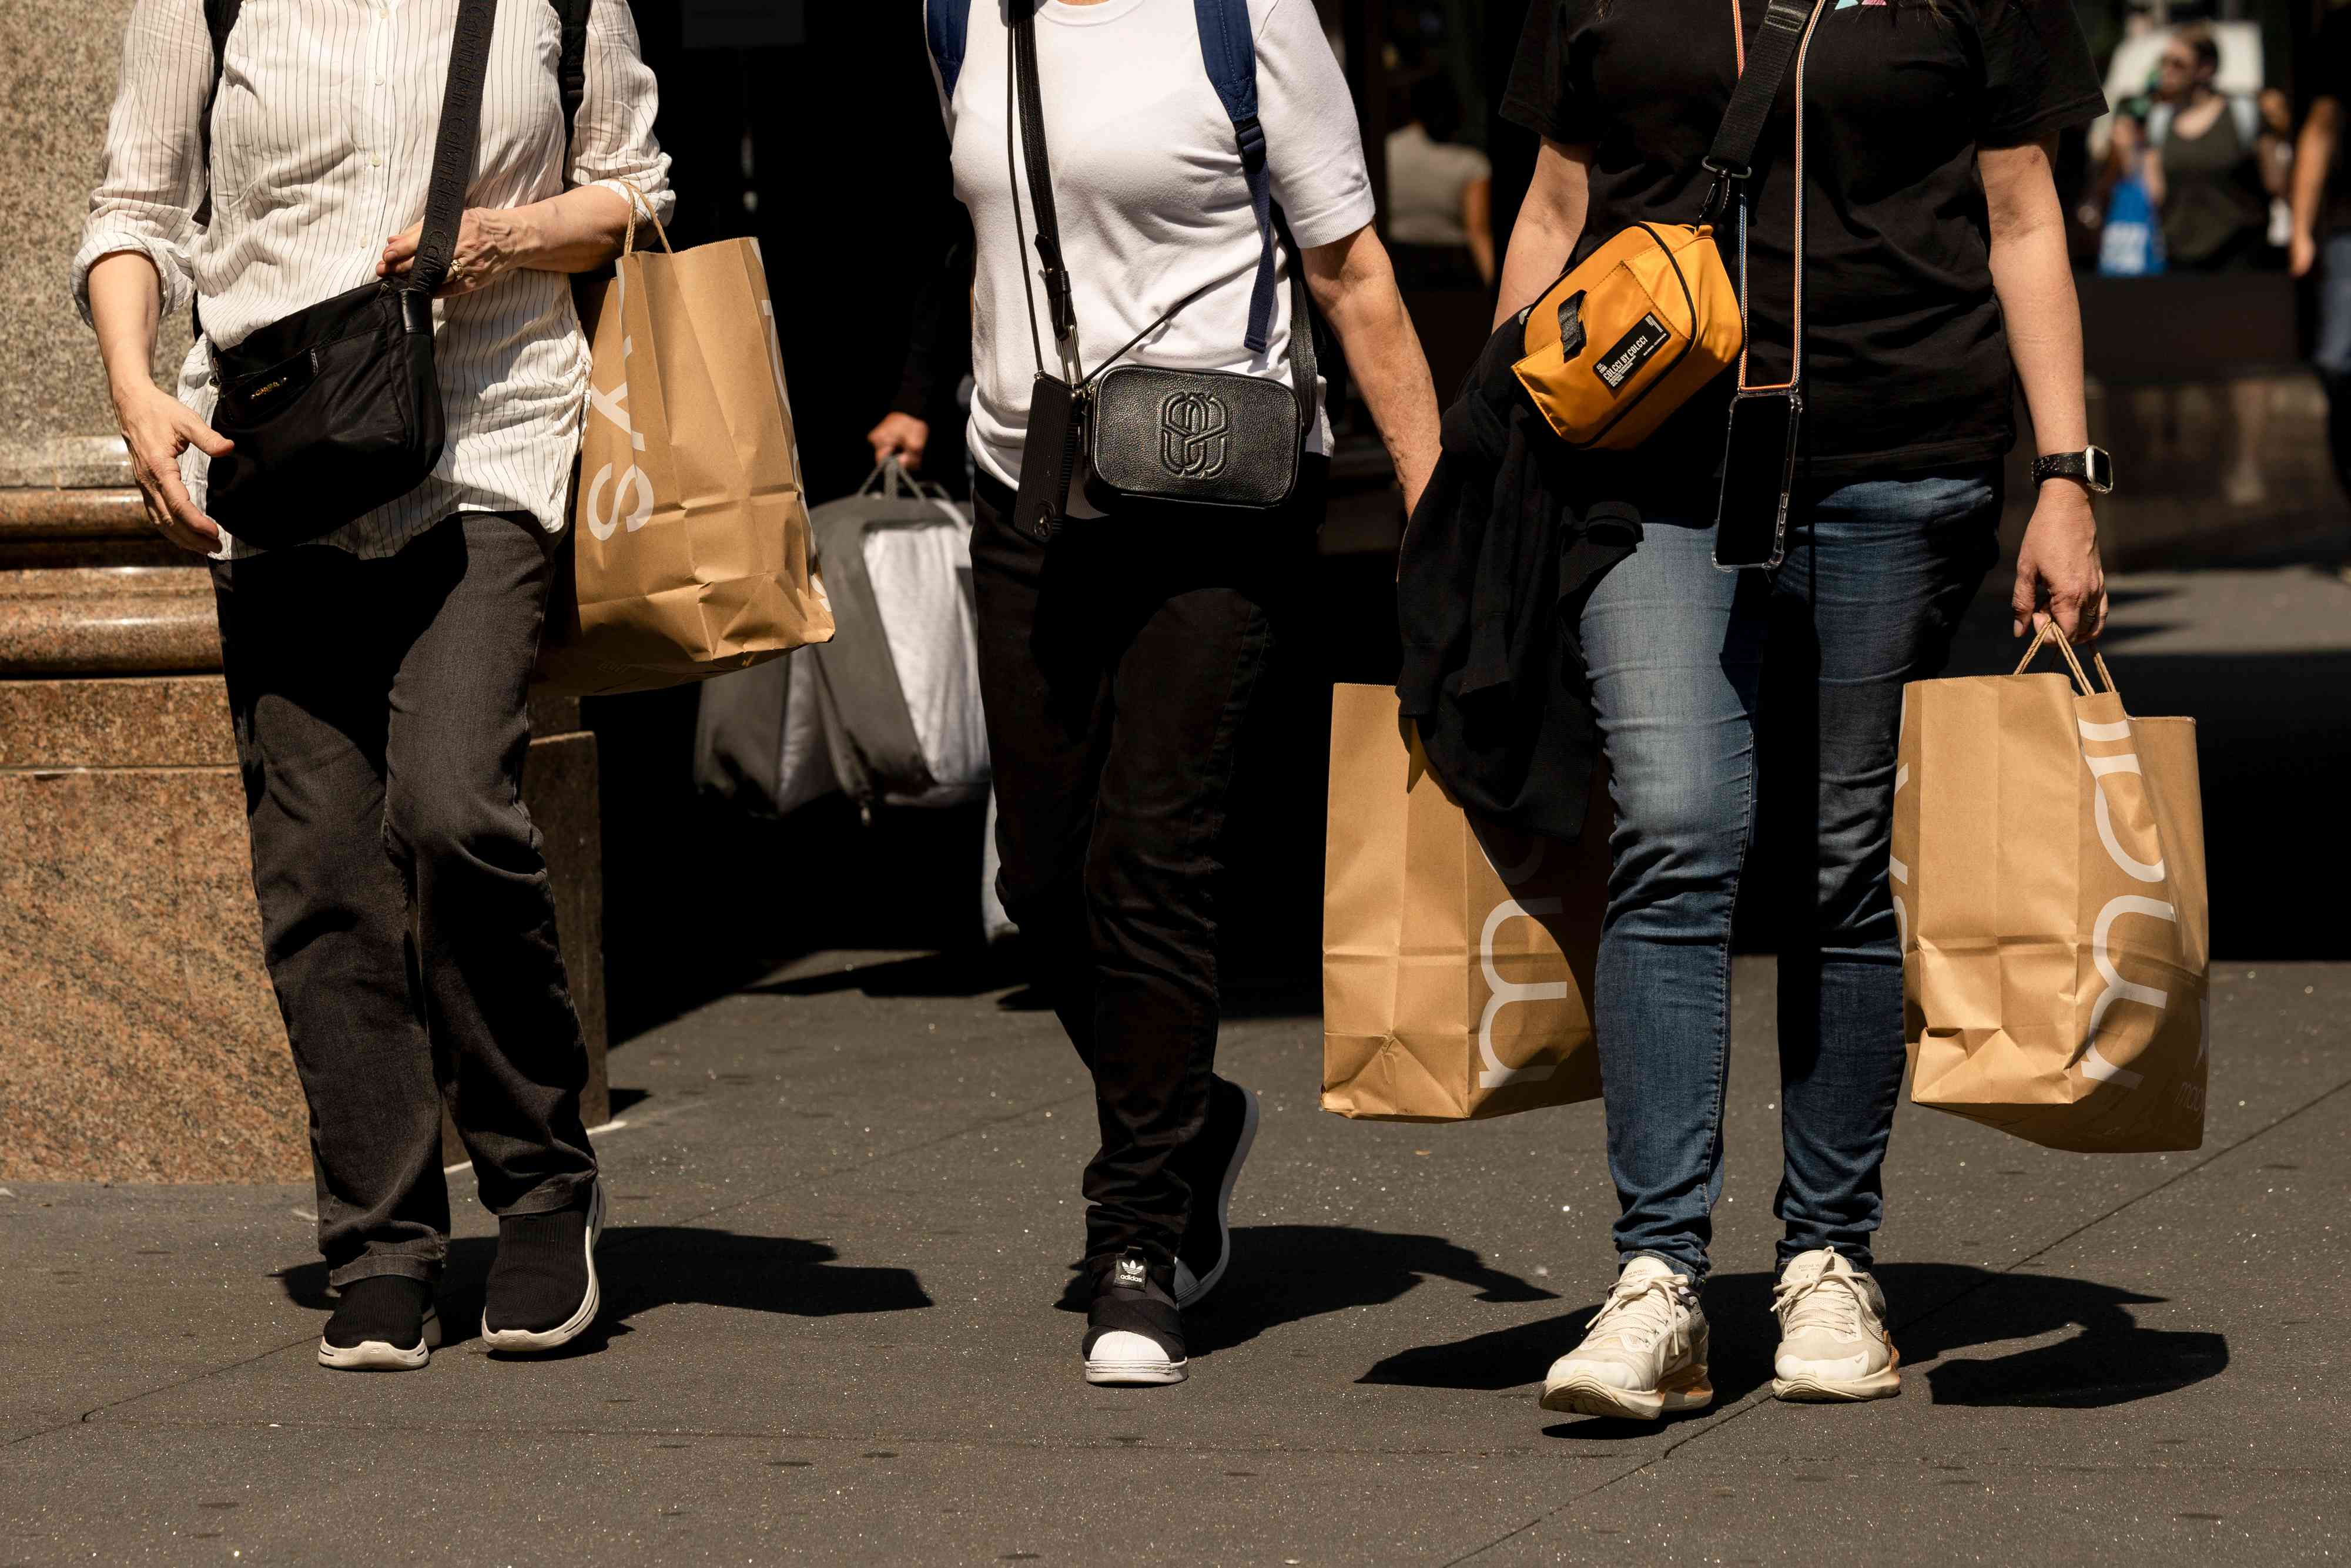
(405,912)
(1117,664)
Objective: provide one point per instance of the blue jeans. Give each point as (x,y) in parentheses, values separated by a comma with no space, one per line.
(1739,709)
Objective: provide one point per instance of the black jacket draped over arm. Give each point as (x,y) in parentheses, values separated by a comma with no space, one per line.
(1511,535)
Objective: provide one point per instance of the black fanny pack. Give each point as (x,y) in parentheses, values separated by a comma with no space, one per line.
(1145,433)
(336,409)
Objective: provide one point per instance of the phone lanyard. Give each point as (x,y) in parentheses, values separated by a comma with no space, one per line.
(1796,311)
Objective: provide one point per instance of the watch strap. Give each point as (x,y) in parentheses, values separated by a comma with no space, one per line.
(2078,466)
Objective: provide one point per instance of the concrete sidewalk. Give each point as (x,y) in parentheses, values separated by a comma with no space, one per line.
(847,1208)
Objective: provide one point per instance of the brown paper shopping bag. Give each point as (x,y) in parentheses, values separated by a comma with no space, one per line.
(1456,959)
(689,553)
(2048,866)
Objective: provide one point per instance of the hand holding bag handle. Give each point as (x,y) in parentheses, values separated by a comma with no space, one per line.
(2049,635)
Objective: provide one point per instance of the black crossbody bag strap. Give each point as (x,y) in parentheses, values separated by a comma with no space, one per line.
(1059,294)
(220,15)
(1024,88)
(454,146)
(571,68)
(1763,67)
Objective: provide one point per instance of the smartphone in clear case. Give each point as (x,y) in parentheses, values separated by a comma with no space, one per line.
(1759,475)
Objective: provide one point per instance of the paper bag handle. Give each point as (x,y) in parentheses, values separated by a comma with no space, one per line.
(2049,633)
(636,200)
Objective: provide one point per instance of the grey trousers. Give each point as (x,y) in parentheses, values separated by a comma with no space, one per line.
(406,917)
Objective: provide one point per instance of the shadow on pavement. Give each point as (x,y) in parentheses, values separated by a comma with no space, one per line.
(958,972)
(1005,969)
(1287,1273)
(644,1267)
(2108,1359)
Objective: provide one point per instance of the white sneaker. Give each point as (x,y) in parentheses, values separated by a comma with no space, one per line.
(1833,1339)
(1644,1352)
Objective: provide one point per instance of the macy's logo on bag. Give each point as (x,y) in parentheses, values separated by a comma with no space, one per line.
(2117,989)
(2094,1063)
(1503,992)
(633,483)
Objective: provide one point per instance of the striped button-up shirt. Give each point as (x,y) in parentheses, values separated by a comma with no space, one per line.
(322,137)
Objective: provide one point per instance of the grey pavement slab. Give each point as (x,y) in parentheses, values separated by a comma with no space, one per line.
(845,1211)
(833,1333)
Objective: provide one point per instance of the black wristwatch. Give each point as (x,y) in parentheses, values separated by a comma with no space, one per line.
(2091,465)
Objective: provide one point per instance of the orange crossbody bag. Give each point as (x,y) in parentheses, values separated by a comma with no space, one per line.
(1630,333)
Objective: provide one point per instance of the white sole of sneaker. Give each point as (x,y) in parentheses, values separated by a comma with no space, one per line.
(1582,1394)
(1133,1374)
(533,1341)
(1883,1385)
(1213,1277)
(376,1355)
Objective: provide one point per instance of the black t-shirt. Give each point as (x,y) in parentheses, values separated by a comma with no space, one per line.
(1906,365)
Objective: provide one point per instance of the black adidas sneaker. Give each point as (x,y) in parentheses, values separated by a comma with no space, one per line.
(1134,1336)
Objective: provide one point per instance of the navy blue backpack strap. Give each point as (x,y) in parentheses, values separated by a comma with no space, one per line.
(947,22)
(1229,52)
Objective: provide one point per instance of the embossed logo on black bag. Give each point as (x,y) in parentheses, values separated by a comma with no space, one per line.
(1630,352)
(1194,439)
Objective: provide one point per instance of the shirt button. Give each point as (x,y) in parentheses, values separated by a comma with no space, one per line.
(374,161)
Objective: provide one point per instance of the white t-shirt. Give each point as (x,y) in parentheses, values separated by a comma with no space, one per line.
(1148,189)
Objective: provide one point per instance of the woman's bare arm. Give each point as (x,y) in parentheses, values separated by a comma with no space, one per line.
(578,231)
(2313,158)
(1477,222)
(126,300)
(1355,286)
(1549,222)
(2058,574)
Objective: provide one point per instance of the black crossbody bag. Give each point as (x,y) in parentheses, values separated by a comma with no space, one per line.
(1164,437)
(336,409)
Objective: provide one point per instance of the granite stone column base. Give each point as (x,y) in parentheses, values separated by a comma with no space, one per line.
(139,1037)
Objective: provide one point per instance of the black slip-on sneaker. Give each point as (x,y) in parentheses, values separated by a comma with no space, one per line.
(1134,1336)
(1215,1160)
(384,1322)
(543,1291)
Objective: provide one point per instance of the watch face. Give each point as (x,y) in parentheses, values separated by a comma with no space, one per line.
(2101,469)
